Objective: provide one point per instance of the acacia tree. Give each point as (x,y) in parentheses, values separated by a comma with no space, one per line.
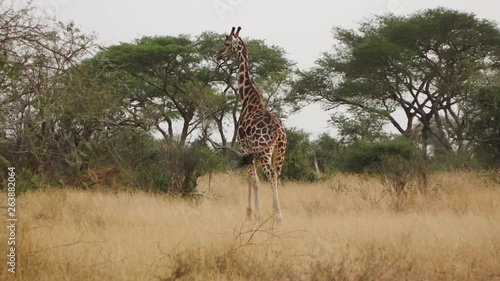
(158,77)
(421,67)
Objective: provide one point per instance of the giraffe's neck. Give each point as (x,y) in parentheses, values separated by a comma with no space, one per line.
(246,89)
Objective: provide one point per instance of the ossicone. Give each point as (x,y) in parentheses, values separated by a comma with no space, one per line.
(237,34)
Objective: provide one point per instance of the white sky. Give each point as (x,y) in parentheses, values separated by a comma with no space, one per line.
(302,28)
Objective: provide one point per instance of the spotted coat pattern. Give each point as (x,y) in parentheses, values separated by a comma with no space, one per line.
(260,132)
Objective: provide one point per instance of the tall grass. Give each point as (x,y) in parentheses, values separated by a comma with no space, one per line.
(346,228)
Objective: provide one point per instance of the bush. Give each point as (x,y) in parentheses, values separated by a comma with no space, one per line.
(364,156)
(186,164)
(26,180)
(396,162)
(298,162)
(453,162)
(399,174)
(327,153)
(155,165)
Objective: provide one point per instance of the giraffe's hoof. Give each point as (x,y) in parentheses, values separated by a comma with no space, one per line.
(278,217)
(249,213)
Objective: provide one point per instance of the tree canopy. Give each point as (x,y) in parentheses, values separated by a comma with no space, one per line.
(421,67)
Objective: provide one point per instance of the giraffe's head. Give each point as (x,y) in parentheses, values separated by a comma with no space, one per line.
(231,44)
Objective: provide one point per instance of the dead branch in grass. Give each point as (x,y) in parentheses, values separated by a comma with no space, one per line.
(67,245)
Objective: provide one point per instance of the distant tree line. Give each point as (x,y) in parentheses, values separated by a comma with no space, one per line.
(74,112)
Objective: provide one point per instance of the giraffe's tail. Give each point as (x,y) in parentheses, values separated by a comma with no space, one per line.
(246,159)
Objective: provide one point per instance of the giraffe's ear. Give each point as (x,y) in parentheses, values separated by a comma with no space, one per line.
(245,39)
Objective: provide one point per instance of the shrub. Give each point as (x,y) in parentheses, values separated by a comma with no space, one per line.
(298,163)
(26,180)
(186,164)
(326,151)
(364,156)
(155,165)
(397,174)
(396,162)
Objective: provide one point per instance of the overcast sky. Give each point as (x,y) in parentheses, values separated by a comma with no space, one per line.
(302,28)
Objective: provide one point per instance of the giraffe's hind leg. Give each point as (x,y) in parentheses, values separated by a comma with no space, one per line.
(249,206)
(279,155)
(273,178)
(253,185)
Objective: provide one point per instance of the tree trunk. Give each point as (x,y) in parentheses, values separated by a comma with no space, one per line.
(184,132)
(425,157)
(220,128)
(316,166)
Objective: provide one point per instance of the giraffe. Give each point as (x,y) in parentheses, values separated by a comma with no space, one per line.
(261,134)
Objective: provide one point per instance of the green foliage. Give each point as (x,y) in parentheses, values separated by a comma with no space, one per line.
(365,156)
(182,168)
(453,162)
(327,151)
(27,180)
(298,161)
(396,162)
(399,173)
(135,152)
(159,78)
(156,165)
(359,125)
(484,124)
(186,164)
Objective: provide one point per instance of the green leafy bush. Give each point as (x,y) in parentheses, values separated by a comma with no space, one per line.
(298,161)
(364,156)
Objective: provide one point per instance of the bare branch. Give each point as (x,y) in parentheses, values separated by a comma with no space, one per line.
(218,146)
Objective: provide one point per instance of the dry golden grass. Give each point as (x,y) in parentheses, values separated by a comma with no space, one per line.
(341,229)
